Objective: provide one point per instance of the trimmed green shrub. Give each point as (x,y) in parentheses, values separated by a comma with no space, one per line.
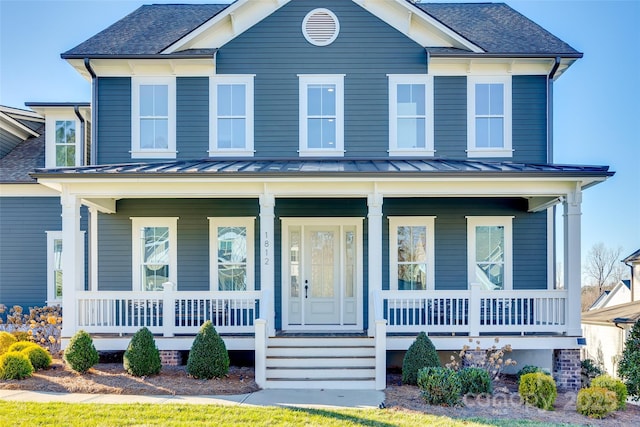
(15,365)
(629,366)
(529,369)
(38,356)
(142,357)
(6,340)
(475,381)
(208,357)
(21,345)
(81,354)
(21,335)
(588,371)
(538,389)
(615,385)
(421,354)
(440,386)
(596,402)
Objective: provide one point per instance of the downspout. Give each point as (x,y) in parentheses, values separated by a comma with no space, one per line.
(633,280)
(76,110)
(94,107)
(428,59)
(552,73)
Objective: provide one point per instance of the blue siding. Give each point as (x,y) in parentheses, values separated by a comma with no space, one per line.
(114,120)
(114,240)
(366,50)
(529,119)
(23,247)
(529,238)
(450,116)
(192,121)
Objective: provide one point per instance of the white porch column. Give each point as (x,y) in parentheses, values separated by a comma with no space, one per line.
(267,250)
(72,261)
(572,261)
(93,249)
(374,202)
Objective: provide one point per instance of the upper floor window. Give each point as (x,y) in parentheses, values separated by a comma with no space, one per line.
(411,252)
(411,115)
(322,115)
(154,246)
(489,116)
(231,105)
(153,122)
(489,251)
(63,141)
(232,243)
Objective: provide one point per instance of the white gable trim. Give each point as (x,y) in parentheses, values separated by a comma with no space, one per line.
(400,14)
(228,24)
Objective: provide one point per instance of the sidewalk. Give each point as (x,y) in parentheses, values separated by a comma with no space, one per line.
(361,399)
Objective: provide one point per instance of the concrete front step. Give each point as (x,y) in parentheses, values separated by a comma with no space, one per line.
(315,373)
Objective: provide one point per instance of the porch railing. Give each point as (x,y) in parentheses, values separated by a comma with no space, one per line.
(167,312)
(475,311)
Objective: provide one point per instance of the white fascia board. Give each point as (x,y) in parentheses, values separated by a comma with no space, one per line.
(455,343)
(226,25)
(184,187)
(27,190)
(16,128)
(26,114)
(464,66)
(417,24)
(120,67)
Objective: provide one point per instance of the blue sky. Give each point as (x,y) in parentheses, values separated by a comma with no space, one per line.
(597,101)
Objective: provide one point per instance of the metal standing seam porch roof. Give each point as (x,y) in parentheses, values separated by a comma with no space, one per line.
(327,167)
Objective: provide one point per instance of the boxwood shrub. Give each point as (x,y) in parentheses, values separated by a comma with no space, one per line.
(421,354)
(208,357)
(538,389)
(596,402)
(81,354)
(15,365)
(6,340)
(142,357)
(615,385)
(475,381)
(440,386)
(38,356)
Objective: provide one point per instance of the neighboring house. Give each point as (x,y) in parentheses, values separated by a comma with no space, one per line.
(30,214)
(619,294)
(608,322)
(322,180)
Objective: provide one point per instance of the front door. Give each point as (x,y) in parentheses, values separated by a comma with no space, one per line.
(322,274)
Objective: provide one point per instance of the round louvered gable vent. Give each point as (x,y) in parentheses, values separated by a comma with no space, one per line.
(320,27)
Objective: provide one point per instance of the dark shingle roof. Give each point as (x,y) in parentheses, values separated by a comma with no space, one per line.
(27,156)
(148,30)
(334,167)
(633,257)
(497,28)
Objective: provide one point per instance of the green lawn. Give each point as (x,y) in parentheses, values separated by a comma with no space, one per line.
(68,414)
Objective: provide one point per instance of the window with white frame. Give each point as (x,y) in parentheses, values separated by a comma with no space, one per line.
(489,116)
(153,122)
(411,115)
(490,251)
(63,141)
(232,252)
(322,115)
(154,252)
(411,253)
(54,267)
(231,106)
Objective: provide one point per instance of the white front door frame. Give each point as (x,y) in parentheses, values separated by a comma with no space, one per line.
(340,222)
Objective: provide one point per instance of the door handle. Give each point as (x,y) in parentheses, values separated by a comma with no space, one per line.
(306,289)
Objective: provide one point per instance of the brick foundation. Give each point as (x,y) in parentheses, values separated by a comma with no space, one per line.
(170,358)
(566,369)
